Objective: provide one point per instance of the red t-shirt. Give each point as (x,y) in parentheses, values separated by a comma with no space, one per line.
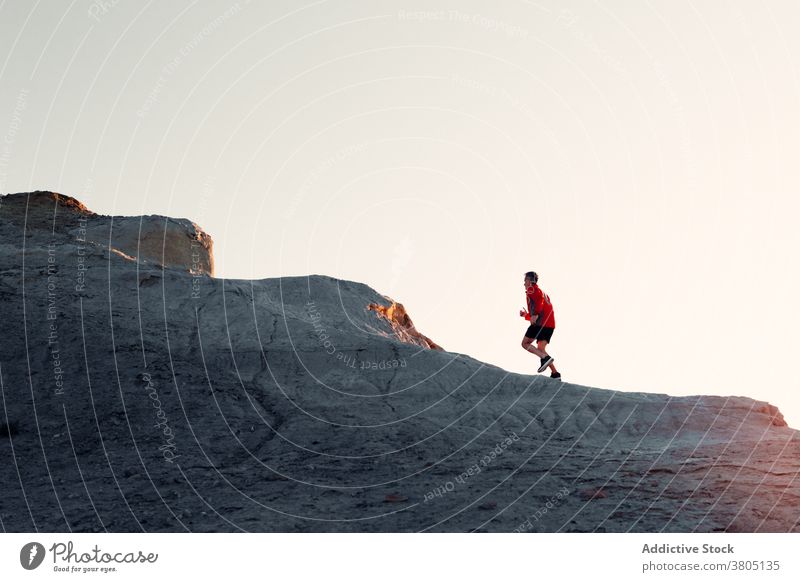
(539,304)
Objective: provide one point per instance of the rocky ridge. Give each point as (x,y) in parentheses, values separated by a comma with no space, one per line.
(140,393)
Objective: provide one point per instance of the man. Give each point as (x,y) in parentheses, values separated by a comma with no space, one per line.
(543,323)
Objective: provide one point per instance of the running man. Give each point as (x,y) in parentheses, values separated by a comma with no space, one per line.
(543,323)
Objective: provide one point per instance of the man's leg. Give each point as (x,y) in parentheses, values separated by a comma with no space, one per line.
(542,345)
(527,344)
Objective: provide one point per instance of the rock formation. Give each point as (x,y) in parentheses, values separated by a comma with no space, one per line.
(402,326)
(140,393)
(157,240)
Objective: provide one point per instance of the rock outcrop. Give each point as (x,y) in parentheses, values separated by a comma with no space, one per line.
(402,326)
(142,394)
(156,240)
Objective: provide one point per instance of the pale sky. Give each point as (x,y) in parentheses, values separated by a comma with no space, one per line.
(641,156)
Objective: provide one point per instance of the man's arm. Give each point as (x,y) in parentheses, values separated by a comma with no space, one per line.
(536,302)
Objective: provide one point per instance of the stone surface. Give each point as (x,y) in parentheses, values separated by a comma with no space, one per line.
(402,326)
(142,394)
(156,240)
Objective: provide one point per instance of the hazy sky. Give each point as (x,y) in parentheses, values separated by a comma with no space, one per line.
(641,156)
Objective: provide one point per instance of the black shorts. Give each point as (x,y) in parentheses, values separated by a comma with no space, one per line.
(537,332)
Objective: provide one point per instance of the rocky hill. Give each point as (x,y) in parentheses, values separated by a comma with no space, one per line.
(140,393)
